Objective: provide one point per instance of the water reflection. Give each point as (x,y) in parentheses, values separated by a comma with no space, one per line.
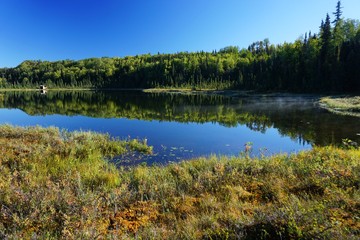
(182,126)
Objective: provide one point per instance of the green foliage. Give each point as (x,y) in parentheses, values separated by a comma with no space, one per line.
(293,115)
(136,105)
(58,153)
(58,185)
(322,62)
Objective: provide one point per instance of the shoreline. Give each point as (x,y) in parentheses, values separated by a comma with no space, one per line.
(341,104)
(66,187)
(226,92)
(336,103)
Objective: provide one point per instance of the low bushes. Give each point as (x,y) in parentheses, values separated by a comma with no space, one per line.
(57,184)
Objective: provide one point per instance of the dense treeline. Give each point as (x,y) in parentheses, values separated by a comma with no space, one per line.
(327,61)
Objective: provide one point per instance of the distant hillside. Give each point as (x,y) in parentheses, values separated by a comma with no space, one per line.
(322,62)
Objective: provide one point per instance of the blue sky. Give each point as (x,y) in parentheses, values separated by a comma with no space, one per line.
(77,29)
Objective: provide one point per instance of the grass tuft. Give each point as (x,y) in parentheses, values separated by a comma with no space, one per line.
(342,105)
(56,184)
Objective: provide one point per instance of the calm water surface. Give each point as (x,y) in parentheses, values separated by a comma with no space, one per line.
(185,126)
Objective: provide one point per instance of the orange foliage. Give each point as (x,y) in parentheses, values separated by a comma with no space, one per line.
(130,219)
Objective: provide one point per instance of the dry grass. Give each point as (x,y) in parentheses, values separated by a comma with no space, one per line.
(58,185)
(342,105)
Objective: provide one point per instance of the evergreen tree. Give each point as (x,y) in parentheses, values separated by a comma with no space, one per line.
(324,61)
(338,39)
(338,33)
(326,32)
(337,13)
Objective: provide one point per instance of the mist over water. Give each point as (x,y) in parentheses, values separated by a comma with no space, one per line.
(184,126)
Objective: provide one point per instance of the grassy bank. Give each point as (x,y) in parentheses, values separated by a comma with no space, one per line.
(342,105)
(56,184)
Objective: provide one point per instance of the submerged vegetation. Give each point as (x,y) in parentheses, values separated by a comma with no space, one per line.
(56,184)
(342,105)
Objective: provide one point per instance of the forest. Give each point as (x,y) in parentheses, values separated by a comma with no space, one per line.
(327,61)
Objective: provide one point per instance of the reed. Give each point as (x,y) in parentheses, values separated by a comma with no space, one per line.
(56,184)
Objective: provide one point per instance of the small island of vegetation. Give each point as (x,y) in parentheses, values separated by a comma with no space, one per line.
(342,105)
(56,184)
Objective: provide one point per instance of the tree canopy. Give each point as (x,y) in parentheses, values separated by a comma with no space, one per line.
(323,62)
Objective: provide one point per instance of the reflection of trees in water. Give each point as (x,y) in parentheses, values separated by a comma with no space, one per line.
(293,117)
(302,120)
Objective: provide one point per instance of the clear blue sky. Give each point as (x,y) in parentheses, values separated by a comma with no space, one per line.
(76,29)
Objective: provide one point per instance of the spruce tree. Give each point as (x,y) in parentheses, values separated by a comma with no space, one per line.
(337,13)
(337,42)
(325,57)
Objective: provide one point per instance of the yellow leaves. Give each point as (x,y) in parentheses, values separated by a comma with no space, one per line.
(137,215)
(237,192)
(209,203)
(184,206)
(68,227)
(177,170)
(141,174)
(219,168)
(340,217)
(254,188)
(52,192)
(344,173)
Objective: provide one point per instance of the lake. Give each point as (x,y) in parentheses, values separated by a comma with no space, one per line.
(184,126)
